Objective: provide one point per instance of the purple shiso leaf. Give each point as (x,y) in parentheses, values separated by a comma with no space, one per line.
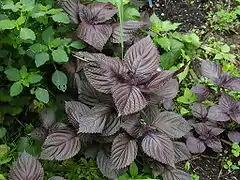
(215,144)
(195,145)
(234,136)
(201,91)
(72,8)
(232,84)
(216,113)
(211,70)
(226,102)
(199,110)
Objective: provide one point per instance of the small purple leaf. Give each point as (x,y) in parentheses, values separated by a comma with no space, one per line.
(234,136)
(72,8)
(199,110)
(210,70)
(181,152)
(124,151)
(201,91)
(216,113)
(159,147)
(132,126)
(112,125)
(226,102)
(195,145)
(26,168)
(232,84)
(215,144)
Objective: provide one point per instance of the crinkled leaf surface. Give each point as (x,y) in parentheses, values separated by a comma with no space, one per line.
(181,152)
(128,99)
(232,84)
(195,145)
(159,147)
(72,8)
(132,126)
(199,110)
(234,136)
(60,145)
(26,168)
(124,151)
(216,113)
(112,125)
(171,124)
(215,144)
(142,58)
(211,70)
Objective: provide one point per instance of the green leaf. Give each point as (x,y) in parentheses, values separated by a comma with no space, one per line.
(77,45)
(164,42)
(16,89)
(34,78)
(3,132)
(7,24)
(41,58)
(28,5)
(184,74)
(23,72)
(59,79)
(11,6)
(26,34)
(37,48)
(192,38)
(13,74)
(187,166)
(225,48)
(133,169)
(61,18)
(218,56)
(131,13)
(54,11)
(188,97)
(42,95)
(4,149)
(2,177)
(20,21)
(59,55)
(48,35)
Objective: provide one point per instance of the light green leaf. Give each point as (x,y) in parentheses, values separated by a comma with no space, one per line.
(59,79)
(184,74)
(225,48)
(41,58)
(2,177)
(188,97)
(34,78)
(38,14)
(37,48)
(77,45)
(61,18)
(133,169)
(20,21)
(164,42)
(28,5)
(229,56)
(48,35)
(3,132)
(10,5)
(16,89)
(26,34)
(13,74)
(218,56)
(42,95)
(23,72)
(7,24)
(192,38)
(54,11)
(131,13)
(4,149)
(59,55)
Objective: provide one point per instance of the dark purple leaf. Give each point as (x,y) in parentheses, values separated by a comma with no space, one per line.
(195,145)
(171,124)
(201,129)
(216,131)
(159,147)
(128,99)
(132,126)
(216,113)
(26,168)
(235,113)
(124,151)
(181,152)
(112,125)
(199,110)
(168,90)
(159,79)
(142,58)
(129,28)
(48,118)
(95,35)
(168,104)
(234,136)
(75,110)
(211,70)
(232,84)
(201,91)
(215,144)
(175,174)
(62,144)
(226,102)
(72,8)
(102,71)
(105,166)
(150,112)
(100,12)
(39,133)
(95,120)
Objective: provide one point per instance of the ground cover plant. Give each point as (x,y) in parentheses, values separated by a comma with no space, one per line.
(117,90)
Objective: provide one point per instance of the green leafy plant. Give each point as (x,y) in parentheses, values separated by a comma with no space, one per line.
(236,149)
